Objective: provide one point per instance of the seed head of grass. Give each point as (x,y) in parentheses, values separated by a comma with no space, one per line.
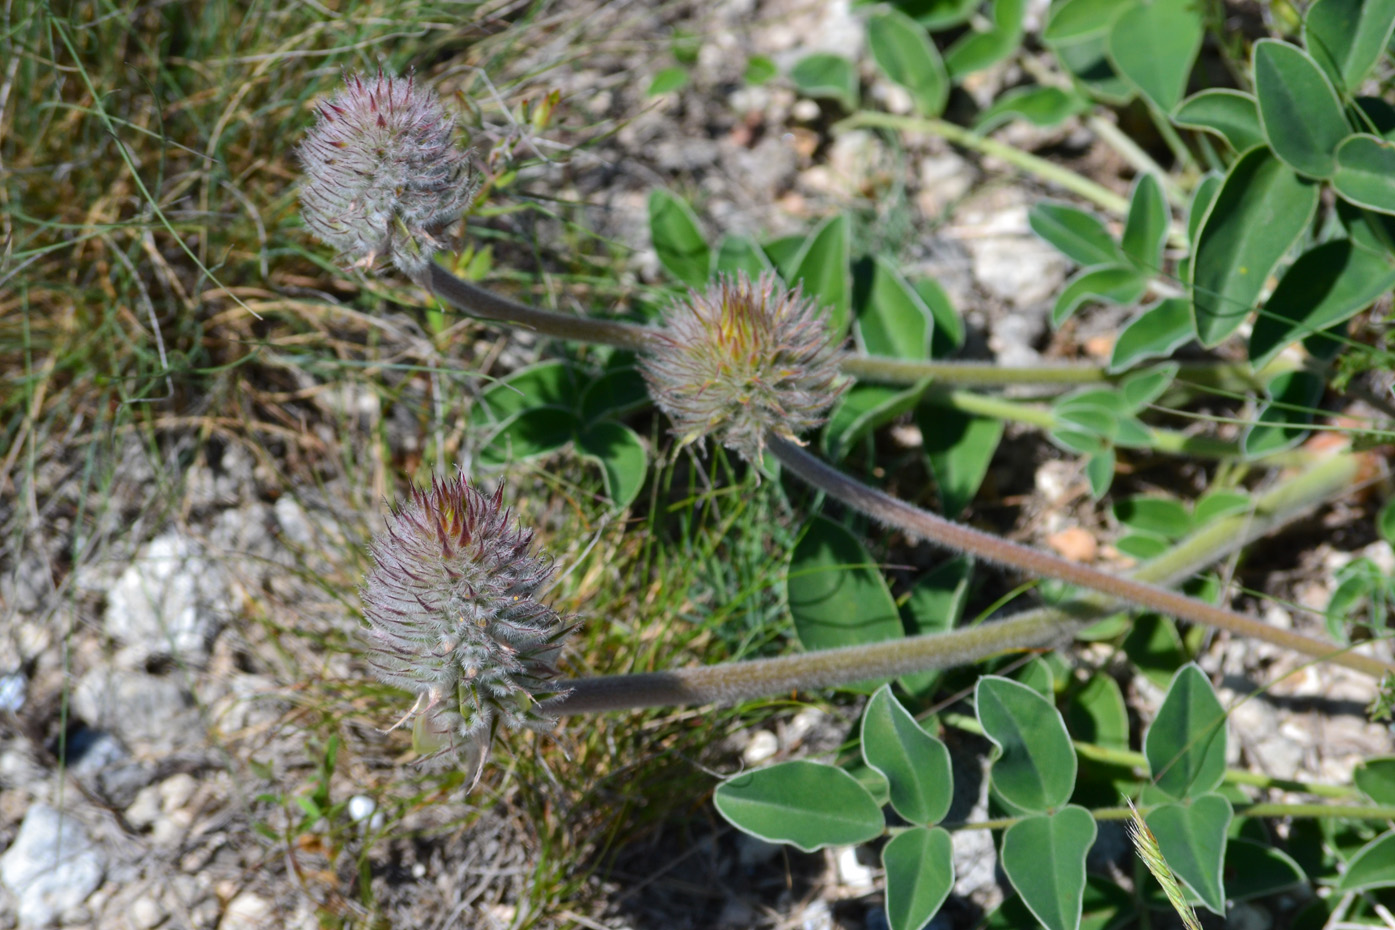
(383,175)
(453,616)
(741,359)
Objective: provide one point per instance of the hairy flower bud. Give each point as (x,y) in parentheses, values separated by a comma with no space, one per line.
(741,359)
(383,176)
(454,617)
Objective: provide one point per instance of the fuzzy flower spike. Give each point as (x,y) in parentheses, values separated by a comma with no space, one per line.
(742,359)
(454,617)
(383,175)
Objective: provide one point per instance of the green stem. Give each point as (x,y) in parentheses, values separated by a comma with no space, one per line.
(1127,758)
(932,528)
(1309,811)
(1031,629)
(480,303)
(1068,180)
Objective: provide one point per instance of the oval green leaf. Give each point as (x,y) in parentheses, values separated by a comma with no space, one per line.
(935,604)
(1158,332)
(919,866)
(916,764)
(1145,229)
(1035,767)
(835,592)
(1254,870)
(738,254)
(1079,19)
(1080,236)
(822,269)
(1326,285)
(1158,516)
(907,57)
(1365,172)
(1372,867)
(825,75)
(1299,111)
(977,50)
(1259,212)
(621,455)
(531,434)
(1192,837)
(1118,284)
(542,385)
(959,448)
(1098,714)
(1154,44)
(682,250)
(1347,37)
(892,320)
(1040,106)
(802,803)
(1185,745)
(1044,858)
(1230,114)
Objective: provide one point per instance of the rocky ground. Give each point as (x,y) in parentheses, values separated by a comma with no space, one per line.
(163,695)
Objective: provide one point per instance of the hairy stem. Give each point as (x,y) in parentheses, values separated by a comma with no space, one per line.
(935,529)
(478,302)
(1030,629)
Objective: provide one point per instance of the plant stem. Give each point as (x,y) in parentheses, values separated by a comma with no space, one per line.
(1311,811)
(935,529)
(1031,629)
(1127,758)
(1054,174)
(480,303)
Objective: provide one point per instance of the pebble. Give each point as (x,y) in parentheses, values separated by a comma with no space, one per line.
(139,708)
(247,911)
(52,865)
(168,602)
(146,912)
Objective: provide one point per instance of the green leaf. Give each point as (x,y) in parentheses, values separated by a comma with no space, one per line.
(822,268)
(1044,858)
(919,866)
(1099,469)
(667,80)
(1098,714)
(1299,111)
(977,50)
(892,320)
(1327,285)
(1087,59)
(1142,388)
(1365,172)
(621,455)
(1185,745)
(1155,648)
(947,334)
(1159,331)
(682,250)
(835,592)
(740,254)
(804,804)
(1347,37)
(1078,19)
(1385,522)
(934,14)
(959,448)
(531,434)
(783,253)
(759,70)
(1255,870)
(824,75)
(1040,106)
(1260,210)
(1119,284)
(1106,906)
(1080,236)
(614,394)
(543,384)
(1145,229)
(1202,198)
(907,57)
(1035,767)
(1192,837)
(1216,504)
(1154,44)
(1372,867)
(916,764)
(1283,421)
(1159,516)
(935,604)
(1230,114)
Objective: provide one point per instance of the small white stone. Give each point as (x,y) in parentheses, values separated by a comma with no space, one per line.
(52,865)
(763,745)
(247,911)
(858,879)
(146,912)
(805,110)
(12,691)
(361,807)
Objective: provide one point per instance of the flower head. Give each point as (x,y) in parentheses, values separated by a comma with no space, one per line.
(741,359)
(453,616)
(383,176)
